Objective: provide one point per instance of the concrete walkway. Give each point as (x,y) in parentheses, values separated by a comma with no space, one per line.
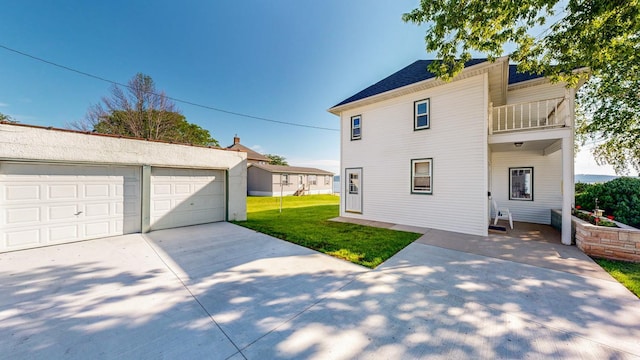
(219,291)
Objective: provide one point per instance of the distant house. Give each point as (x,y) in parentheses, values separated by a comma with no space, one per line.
(273,180)
(253,157)
(264,179)
(416,150)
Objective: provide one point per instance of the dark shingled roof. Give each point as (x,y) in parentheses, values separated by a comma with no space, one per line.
(291,169)
(251,155)
(411,74)
(516,77)
(417,72)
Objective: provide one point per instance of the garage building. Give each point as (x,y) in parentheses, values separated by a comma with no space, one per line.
(59,186)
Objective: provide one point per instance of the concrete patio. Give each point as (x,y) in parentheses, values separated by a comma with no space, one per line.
(224,292)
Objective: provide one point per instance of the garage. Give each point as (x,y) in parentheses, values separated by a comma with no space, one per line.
(59,186)
(45,204)
(182,197)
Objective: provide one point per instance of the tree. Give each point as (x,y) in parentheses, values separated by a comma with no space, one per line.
(142,112)
(603,35)
(7,118)
(277,160)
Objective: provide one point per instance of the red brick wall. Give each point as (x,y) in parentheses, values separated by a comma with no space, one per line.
(607,243)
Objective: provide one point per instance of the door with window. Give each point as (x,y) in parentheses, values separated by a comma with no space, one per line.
(353,190)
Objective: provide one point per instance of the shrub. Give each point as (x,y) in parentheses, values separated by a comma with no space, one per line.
(619,197)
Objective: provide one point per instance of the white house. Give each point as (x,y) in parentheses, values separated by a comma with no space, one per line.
(416,150)
(60,186)
(276,180)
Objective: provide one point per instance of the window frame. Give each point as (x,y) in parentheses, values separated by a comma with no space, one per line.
(284,179)
(416,114)
(312,179)
(511,194)
(359,127)
(413,168)
(327,180)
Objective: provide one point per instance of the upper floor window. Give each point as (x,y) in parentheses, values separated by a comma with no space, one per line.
(356,127)
(421,176)
(421,117)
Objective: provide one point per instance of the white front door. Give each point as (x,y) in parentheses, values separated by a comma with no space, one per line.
(46,204)
(183,197)
(353,190)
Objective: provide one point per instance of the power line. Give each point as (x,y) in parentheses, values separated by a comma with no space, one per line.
(168,97)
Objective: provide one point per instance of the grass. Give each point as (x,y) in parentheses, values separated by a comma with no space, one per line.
(628,274)
(304,221)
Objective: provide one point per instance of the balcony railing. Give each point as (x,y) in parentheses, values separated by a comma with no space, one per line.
(526,116)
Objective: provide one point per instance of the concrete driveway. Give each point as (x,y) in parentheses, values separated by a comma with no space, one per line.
(219,291)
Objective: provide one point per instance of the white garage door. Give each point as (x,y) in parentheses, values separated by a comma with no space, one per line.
(44,204)
(182,197)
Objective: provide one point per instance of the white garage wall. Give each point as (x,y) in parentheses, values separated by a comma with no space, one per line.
(18,142)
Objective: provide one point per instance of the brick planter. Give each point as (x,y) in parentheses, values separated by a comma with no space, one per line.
(621,243)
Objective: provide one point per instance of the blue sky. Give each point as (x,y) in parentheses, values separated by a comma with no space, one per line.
(287,60)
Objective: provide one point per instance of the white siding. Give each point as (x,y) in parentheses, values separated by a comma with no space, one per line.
(535,93)
(456,141)
(547,184)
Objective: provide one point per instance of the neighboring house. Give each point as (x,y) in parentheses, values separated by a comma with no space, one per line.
(276,180)
(253,157)
(420,151)
(59,186)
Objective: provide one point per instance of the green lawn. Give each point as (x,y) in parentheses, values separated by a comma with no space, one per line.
(628,274)
(304,221)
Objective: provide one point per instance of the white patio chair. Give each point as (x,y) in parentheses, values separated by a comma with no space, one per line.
(502,213)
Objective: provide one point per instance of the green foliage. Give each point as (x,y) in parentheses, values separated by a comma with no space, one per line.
(178,129)
(628,274)
(610,116)
(277,160)
(595,220)
(619,197)
(304,221)
(141,111)
(6,118)
(602,35)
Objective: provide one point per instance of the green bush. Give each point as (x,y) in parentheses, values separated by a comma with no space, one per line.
(619,197)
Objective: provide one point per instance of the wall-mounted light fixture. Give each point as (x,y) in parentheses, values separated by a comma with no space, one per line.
(518,144)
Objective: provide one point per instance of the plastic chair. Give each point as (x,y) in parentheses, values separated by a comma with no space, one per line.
(502,213)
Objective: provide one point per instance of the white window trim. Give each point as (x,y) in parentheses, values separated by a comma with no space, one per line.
(413,176)
(531,183)
(415,114)
(359,136)
(312,179)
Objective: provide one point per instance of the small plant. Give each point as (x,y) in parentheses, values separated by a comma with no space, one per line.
(593,219)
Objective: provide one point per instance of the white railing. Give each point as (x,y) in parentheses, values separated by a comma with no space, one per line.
(529,115)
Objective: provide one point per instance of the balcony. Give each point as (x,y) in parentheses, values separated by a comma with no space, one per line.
(535,115)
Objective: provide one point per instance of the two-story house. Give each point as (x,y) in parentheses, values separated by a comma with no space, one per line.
(416,150)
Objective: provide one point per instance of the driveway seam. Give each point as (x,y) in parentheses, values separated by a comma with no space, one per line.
(321,299)
(186,287)
(564,331)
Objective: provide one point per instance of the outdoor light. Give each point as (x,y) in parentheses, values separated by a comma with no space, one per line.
(518,144)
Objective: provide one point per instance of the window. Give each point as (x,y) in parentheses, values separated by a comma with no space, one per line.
(421,114)
(312,180)
(356,127)
(521,183)
(421,176)
(327,180)
(353,184)
(284,179)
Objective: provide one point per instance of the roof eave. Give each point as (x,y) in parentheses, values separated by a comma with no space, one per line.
(418,86)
